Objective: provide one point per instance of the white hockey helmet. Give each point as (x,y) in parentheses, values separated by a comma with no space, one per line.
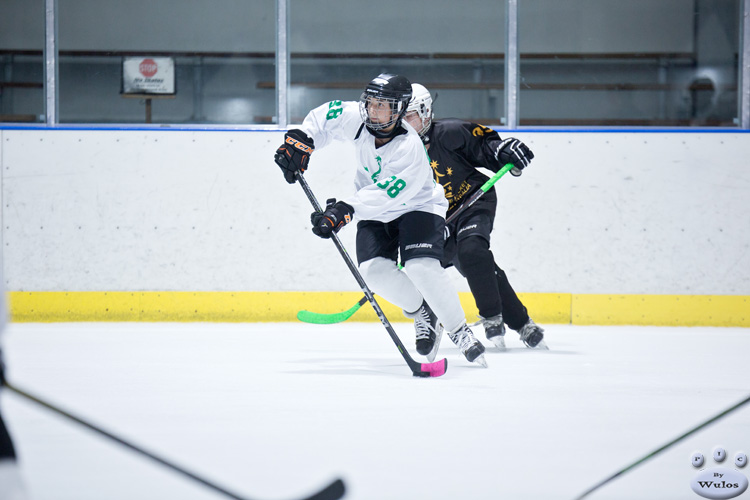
(421,103)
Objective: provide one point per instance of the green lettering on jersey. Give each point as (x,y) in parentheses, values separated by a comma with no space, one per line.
(334,110)
(374,176)
(392,189)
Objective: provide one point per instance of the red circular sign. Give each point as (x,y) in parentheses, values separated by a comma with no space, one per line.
(148,68)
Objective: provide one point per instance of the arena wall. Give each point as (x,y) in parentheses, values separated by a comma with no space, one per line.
(637,227)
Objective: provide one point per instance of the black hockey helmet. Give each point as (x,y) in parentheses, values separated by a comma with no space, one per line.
(396,91)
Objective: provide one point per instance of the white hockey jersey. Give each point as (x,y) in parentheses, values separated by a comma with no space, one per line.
(391,180)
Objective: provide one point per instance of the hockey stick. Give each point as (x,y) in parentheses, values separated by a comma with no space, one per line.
(659,450)
(482,190)
(327,319)
(435,369)
(333,491)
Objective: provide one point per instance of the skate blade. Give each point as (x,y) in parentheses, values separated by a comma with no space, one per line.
(541,346)
(499,341)
(433,353)
(480,361)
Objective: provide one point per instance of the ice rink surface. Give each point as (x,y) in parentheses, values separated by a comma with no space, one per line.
(277,411)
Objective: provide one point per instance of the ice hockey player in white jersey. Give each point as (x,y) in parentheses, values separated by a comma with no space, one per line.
(11,484)
(400,208)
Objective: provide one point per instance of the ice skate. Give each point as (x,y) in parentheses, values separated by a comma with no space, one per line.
(469,345)
(428,329)
(494,330)
(532,335)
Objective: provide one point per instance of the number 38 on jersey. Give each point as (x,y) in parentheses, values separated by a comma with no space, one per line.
(392,189)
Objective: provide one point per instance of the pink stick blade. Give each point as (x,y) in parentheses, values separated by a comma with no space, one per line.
(435,369)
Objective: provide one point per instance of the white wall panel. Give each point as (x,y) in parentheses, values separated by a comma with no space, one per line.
(629,213)
(209,210)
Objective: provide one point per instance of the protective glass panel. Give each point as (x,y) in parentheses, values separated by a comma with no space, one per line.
(338,47)
(219,53)
(21,61)
(640,62)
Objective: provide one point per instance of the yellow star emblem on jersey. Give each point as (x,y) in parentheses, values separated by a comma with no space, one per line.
(434,166)
(449,171)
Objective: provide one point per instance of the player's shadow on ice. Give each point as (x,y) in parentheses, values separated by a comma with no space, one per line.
(530,352)
(491,350)
(354,366)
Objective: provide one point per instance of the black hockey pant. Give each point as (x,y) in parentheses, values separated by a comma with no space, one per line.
(6,445)
(474,260)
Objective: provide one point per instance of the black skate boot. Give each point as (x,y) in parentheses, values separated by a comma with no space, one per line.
(428,329)
(469,345)
(532,335)
(494,330)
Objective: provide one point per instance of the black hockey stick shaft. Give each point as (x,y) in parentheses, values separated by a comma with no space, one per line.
(334,491)
(312,317)
(662,448)
(418,369)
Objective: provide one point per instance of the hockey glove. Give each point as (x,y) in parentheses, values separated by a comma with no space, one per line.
(337,214)
(294,155)
(516,152)
(2,370)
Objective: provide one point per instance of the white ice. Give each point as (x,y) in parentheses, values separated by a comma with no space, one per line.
(276,411)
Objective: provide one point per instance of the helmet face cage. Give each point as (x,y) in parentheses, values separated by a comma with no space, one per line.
(383,103)
(421,104)
(369,104)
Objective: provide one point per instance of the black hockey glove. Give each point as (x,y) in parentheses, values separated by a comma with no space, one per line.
(294,155)
(513,151)
(337,214)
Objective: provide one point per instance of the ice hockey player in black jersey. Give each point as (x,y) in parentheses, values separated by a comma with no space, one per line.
(456,149)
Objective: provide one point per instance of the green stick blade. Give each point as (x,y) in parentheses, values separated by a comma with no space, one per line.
(327,319)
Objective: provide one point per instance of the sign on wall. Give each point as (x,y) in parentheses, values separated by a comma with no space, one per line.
(148,75)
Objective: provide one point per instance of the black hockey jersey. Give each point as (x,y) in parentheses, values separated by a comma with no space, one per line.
(456,149)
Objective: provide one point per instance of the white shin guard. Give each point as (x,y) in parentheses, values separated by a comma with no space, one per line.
(385,278)
(436,287)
